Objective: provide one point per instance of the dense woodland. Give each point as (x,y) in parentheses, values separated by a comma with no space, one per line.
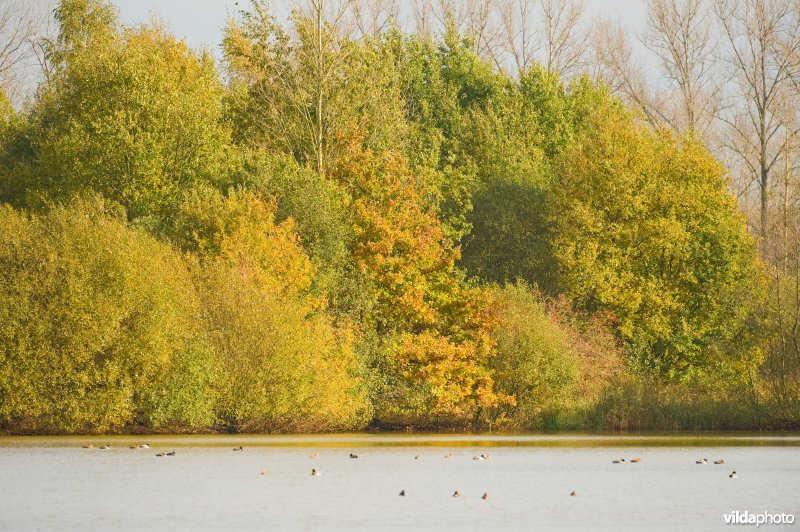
(346,223)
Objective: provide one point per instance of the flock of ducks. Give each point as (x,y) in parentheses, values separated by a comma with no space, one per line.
(704,461)
(456,494)
(140,446)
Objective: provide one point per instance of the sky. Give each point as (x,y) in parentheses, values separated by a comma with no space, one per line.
(200,22)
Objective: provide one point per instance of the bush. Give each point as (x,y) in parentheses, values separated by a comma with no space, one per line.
(97,323)
(534,363)
(283,365)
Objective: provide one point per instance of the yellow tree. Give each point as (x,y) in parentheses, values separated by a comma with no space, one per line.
(131,113)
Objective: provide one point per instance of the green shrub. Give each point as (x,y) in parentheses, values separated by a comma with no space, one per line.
(96,322)
(534,363)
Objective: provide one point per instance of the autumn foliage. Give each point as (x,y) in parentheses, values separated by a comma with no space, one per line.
(326,232)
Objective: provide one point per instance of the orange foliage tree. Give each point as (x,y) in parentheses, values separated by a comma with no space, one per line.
(437,328)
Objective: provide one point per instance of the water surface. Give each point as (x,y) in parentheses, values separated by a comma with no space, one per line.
(53,483)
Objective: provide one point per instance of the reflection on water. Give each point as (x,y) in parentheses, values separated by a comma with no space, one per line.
(53,483)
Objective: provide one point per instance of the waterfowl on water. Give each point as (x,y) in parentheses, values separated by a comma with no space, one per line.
(448,455)
(573,494)
(481,457)
(353,455)
(456,494)
(90,446)
(160,454)
(719,462)
(105,447)
(263,472)
(636,460)
(315,473)
(402,493)
(486,456)
(620,461)
(485,496)
(313,456)
(144,446)
(704,461)
(171,453)
(417,457)
(238,448)
(732,475)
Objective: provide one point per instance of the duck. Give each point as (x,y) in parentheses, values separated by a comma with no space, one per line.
(704,461)
(448,455)
(160,454)
(417,457)
(636,460)
(105,447)
(732,475)
(486,456)
(573,494)
(485,497)
(88,446)
(719,462)
(171,453)
(481,457)
(313,456)
(353,455)
(402,493)
(315,473)
(620,461)
(238,448)
(144,446)
(456,494)
(263,472)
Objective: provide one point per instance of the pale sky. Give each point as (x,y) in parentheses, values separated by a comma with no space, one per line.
(200,22)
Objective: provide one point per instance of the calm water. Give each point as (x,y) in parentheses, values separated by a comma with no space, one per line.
(52,483)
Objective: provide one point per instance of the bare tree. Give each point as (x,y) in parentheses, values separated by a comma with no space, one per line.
(518,19)
(680,35)
(373,17)
(483,27)
(21,23)
(474,18)
(423,16)
(763,37)
(625,73)
(565,44)
(545,30)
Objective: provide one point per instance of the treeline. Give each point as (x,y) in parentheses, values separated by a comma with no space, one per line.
(328,233)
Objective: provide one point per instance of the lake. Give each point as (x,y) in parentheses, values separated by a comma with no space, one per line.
(53,483)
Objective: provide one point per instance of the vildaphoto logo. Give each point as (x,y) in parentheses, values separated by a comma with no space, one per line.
(764,518)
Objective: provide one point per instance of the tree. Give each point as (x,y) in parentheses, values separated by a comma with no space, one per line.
(625,73)
(434,333)
(21,25)
(763,39)
(680,35)
(443,84)
(554,37)
(509,236)
(282,364)
(647,230)
(135,116)
(99,326)
(306,89)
